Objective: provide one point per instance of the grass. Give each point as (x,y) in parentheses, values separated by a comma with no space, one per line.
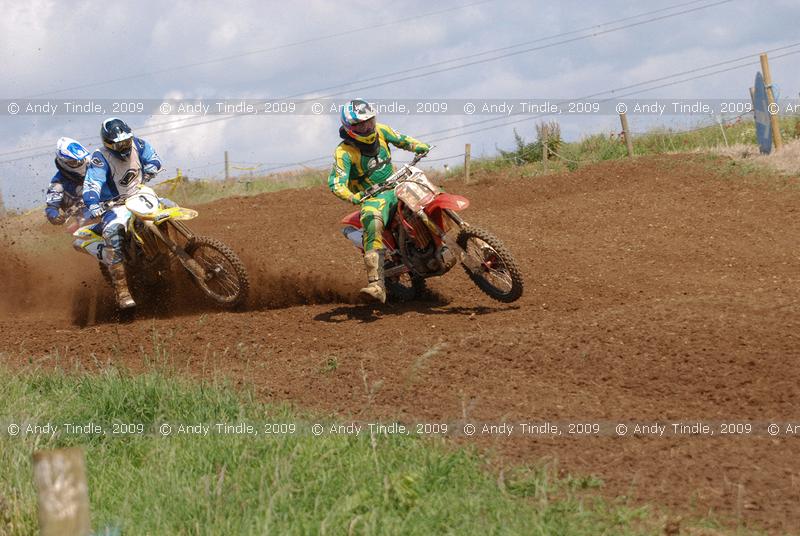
(204,191)
(279,484)
(737,141)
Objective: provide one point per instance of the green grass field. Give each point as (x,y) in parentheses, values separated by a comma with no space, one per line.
(272,484)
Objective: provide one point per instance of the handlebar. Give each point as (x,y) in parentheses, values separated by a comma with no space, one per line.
(392,181)
(77,213)
(418,157)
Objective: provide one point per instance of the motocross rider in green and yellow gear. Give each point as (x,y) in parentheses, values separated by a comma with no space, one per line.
(364,159)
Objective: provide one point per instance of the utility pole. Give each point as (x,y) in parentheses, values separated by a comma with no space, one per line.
(773,106)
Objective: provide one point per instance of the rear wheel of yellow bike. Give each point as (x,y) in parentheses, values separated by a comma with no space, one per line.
(226,279)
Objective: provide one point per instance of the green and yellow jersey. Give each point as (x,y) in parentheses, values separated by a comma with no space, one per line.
(353,172)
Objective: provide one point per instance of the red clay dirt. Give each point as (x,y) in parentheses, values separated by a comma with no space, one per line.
(660,289)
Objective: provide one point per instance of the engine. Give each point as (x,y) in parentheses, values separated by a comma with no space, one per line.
(421,250)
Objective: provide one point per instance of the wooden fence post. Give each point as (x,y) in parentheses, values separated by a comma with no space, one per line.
(623,117)
(467,157)
(60,478)
(722,129)
(544,156)
(773,118)
(227,168)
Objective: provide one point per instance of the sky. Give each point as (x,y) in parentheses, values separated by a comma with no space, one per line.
(151,51)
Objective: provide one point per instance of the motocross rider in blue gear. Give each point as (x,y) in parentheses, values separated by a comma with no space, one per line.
(116,171)
(64,195)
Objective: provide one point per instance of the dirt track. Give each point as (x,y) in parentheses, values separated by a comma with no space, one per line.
(656,290)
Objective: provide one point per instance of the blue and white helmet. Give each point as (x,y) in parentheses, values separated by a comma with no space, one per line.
(72,155)
(358,120)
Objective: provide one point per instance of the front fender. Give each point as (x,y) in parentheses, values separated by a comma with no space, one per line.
(447,201)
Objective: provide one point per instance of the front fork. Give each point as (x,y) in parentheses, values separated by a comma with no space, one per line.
(186,260)
(447,239)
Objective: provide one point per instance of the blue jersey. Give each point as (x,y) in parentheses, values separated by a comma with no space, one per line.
(109,176)
(65,192)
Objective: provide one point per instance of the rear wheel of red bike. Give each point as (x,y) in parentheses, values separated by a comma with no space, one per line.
(405,287)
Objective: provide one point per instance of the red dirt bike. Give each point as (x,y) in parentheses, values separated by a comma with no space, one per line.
(427,237)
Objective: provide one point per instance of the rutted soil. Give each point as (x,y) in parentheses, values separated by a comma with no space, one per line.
(656,290)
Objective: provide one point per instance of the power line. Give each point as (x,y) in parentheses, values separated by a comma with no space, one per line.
(460,66)
(205,62)
(428,160)
(741,58)
(639,84)
(223,118)
(711,73)
(523,51)
(511,54)
(255,52)
(138,130)
(492,51)
(578,98)
(528,118)
(612,98)
(517,121)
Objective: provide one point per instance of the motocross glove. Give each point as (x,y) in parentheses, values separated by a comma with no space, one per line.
(149,171)
(93,211)
(357,198)
(422,148)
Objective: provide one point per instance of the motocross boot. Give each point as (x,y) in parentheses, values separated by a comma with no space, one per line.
(376,289)
(120,283)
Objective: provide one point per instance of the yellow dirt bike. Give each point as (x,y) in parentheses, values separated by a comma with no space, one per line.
(156,235)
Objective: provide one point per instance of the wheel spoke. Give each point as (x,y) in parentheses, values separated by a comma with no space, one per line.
(490,265)
(222,281)
(494,268)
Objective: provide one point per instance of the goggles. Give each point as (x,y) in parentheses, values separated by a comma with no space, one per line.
(365,127)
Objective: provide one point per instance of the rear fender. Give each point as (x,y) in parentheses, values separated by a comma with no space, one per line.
(352,220)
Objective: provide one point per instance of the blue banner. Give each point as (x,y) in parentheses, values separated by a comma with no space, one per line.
(761,108)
